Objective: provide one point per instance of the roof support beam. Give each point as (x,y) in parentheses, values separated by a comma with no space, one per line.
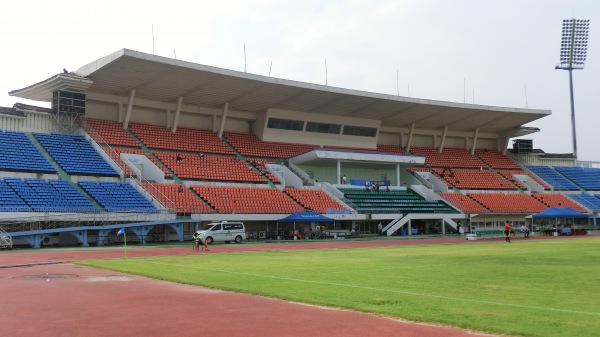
(177,113)
(223,118)
(475,135)
(129,107)
(410,136)
(443,140)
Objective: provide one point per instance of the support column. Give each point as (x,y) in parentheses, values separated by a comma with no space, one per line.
(338,171)
(177,112)
(444,133)
(398,175)
(129,107)
(475,135)
(409,231)
(223,118)
(410,136)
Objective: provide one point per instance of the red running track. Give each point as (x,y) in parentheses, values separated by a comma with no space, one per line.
(45,295)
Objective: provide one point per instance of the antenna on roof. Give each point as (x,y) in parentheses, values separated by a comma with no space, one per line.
(473,96)
(245,57)
(409,90)
(325,71)
(526,105)
(464,90)
(271,66)
(152,39)
(175,53)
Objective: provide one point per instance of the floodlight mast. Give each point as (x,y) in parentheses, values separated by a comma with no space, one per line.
(573,52)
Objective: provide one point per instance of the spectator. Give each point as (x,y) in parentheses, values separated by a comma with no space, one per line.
(178,158)
(507,232)
(525,230)
(180,189)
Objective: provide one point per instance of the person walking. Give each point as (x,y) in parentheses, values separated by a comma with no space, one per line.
(458,228)
(196,239)
(379,228)
(507,231)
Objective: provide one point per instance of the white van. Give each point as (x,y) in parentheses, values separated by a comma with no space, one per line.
(223,231)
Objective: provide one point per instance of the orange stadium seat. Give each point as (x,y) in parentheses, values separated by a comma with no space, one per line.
(464,202)
(557,200)
(109,132)
(315,200)
(495,159)
(508,203)
(184,200)
(244,200)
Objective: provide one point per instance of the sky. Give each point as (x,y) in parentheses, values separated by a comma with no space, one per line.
(496,52)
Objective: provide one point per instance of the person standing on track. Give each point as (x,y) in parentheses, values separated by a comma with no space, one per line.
(507,231)
(196,239)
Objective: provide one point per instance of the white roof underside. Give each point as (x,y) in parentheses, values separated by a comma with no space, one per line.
(163,79)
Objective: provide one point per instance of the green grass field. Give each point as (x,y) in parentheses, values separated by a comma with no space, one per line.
(527,288)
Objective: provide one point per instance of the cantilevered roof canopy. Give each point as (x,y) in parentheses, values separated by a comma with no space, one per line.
(163,79)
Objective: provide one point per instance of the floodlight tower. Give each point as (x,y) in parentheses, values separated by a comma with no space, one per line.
(573,50)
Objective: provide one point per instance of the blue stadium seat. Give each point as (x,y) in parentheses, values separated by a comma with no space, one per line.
(588,178)
(50,195)
(75,154)
(117,197)
(552,177)
(587,200)
(17,153)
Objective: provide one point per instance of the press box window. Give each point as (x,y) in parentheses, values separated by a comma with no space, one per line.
(285,124)
(350,130)
(323,128)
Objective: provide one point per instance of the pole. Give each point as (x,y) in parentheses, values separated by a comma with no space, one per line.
(573,114)
(125,242)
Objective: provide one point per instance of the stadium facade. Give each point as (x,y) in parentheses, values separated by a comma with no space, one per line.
(192,143)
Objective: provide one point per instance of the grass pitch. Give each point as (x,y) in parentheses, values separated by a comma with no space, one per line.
(527,288)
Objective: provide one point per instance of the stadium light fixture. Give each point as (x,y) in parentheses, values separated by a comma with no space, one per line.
(573,50)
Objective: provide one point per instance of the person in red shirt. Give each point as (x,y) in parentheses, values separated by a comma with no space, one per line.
(507,231)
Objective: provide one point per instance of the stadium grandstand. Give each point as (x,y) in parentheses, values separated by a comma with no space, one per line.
(160,146)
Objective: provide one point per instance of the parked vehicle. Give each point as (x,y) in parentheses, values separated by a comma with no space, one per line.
(223,231)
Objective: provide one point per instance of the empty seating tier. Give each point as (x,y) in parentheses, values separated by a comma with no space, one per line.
(471,179)
(316,200)
(549,175)
(109,132)
(177,197)
(248,144)
(117,197)
(588,178)
(509,203)
(227,199)
(449,157)
(75,154)
(393,202)
(495,159)
(589,201)
(557,200)
(185,139)
(208,167)
(464,203)
(17,153)
(50,195)
(10,201)
(508,174)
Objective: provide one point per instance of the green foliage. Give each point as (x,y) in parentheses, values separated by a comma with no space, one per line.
(527,288)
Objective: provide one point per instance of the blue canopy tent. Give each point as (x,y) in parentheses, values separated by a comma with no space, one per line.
(559,213)
(304,217)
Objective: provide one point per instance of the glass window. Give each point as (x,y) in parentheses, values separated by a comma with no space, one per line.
(351,130)
(285,124)
(323,128)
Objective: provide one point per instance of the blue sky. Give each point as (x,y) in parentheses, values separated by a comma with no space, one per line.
(499,53)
